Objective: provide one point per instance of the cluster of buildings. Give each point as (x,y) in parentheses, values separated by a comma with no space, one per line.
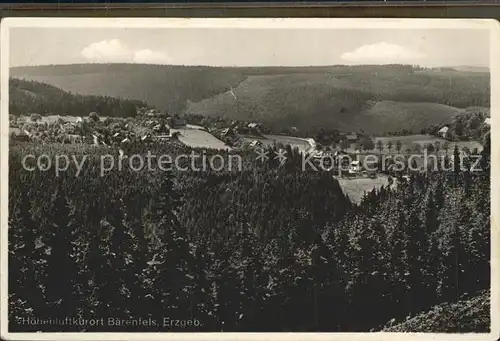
(445,130)
(341,161)
(101,132)
(172,121)
(242,129)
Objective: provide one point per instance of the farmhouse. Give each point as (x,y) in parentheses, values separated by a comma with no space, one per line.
(95,139)
(227,132)
(254,128)
(354,167)
(146,138)
(175,122)
(17,134)
(14,130)
(349,140)
(162,128)
(443,132)
(73,138)
(163,137)
(151,113)
(312,143)
(255,144)
(352,138)
(68,128)
(318,154)
(35,117)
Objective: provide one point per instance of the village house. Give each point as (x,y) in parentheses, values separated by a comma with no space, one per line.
(151,113)
(340,155)
(14,130)
(73,138)
(354,167)
(162,128)
(443,132)
(175,122)
(227,132)
(318,154)
(351,138)
(254,128)
(256,143)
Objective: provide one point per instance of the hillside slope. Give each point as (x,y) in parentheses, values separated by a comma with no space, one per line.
(306,97)
(315,101)
(466,316)
(393,116)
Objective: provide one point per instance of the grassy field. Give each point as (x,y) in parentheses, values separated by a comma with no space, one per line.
(198,138)
(355,188)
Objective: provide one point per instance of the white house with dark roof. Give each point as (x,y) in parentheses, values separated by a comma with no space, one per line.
(256,143)
(354,167)
(443,132)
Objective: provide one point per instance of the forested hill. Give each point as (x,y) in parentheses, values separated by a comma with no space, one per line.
(27,97)
(373,98)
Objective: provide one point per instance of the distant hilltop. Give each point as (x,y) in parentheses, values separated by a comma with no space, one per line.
(372,98)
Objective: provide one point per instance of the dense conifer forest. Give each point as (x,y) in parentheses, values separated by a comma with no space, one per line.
(270,248)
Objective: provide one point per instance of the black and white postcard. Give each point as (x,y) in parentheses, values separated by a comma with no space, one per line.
(323,178)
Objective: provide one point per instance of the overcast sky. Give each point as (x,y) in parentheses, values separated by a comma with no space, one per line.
(249,47)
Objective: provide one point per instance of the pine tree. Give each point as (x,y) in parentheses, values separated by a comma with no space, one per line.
(60,292)
(172,267)
(25,298)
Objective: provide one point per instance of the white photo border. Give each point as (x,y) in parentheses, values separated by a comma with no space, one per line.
(254,23)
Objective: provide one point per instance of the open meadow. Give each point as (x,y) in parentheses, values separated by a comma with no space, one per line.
(197,138)
(356,188)
(295,142)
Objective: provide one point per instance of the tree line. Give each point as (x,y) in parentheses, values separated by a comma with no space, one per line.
(27,97)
